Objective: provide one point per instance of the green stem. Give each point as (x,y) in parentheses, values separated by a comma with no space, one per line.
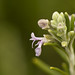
(50,31)
(58,70)
(71,56)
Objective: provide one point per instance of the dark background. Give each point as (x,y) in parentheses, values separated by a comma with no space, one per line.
(18,19)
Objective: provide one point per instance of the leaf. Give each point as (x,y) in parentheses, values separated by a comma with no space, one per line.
(61,53)
(58,70)
(72,22)
(44,67)
(67,22)
(65,67)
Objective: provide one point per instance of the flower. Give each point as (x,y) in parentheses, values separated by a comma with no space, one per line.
(41,41)
(43,23)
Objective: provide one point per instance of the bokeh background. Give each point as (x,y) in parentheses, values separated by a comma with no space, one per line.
(18,19)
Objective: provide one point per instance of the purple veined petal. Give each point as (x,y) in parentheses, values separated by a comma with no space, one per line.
(40,42)
(33,43)
(35,38)
(38,51)
(32,34)
(37,43)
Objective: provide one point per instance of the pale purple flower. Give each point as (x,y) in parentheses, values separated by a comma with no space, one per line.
(41,41)
(43,23)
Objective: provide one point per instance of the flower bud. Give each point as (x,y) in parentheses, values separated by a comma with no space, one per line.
(59,19)
(60,27)
(70,34)
(48,37)
(62,15)
(53,23)
(64,44)
(43,23)
(61,30)
(55,15)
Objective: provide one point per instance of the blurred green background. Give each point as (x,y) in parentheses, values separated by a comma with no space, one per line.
(18,18)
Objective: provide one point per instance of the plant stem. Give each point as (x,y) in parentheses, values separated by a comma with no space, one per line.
(71,56)
(70,52)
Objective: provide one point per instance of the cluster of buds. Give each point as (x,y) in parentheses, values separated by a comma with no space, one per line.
(57,28)
(61,32)
(58,23)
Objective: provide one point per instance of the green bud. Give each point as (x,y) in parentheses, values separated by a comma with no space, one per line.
(67,22)
(64,44)
(49,30)
(59,19)
(72,22)
(70,34)
(61,30)
(61,14)
(55,15)
(53,23)
(47,36)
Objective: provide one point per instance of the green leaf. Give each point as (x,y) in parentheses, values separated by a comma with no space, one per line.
(65,67)
(72,22)
(67,22)
(46,68)
(58,70)
(61,53)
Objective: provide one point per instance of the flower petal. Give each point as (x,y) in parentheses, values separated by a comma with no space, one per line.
(38,51)
(33,43)
(38,43)
(43,23)
(33,36)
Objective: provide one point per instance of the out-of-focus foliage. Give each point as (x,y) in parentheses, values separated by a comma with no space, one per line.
(18,18)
